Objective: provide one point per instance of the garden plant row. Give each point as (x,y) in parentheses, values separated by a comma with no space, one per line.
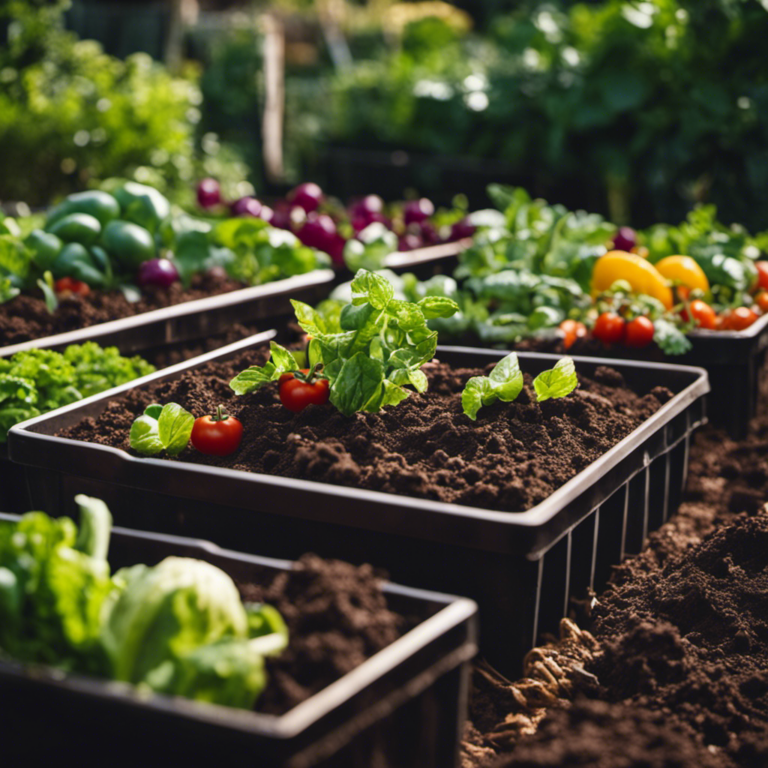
(535,472)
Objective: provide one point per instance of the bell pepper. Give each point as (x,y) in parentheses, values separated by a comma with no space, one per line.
(685,271)
(45,246)
(142,205)
(77,228)
(639,273)
(128,243)
(94,202)
(75,261)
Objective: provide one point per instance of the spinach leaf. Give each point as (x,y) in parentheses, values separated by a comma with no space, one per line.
(557,382)
(282,361)
(169,430)
(504,383)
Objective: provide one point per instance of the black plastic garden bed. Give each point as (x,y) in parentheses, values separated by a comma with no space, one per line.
(404,706)
(521,567)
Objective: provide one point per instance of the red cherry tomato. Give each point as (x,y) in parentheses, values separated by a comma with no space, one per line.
(762,301)
(609,328)
(217,435)
(297,392)
(738,319)
(67,285)
(639,332)
(762,274)
(702,313)
(572,330)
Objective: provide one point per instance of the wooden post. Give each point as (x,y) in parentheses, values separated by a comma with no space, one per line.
(183,13)
(274,107)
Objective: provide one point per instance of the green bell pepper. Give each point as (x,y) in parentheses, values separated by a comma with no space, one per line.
(77,228)
(75,261)
(45,246)
(142,205)
(94,202)
(128,243)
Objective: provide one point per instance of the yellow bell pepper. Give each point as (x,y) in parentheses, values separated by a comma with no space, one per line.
(639,273)
(684,270)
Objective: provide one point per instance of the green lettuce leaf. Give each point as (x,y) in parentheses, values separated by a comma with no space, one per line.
(167,431)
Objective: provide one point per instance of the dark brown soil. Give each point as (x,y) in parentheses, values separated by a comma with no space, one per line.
(512,458)
(682,639)
(337,617)
(601,735)
(26,317)
(162,357)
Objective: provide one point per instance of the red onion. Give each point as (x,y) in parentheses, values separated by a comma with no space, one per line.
(159,272)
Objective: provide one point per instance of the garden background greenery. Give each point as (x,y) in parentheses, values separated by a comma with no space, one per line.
(636,109)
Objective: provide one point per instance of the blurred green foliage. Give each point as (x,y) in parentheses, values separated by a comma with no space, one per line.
(658,104)
(71,115)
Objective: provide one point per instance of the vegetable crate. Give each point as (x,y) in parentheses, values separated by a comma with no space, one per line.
(192,320)
(155,330)
(521,567)
(403,707)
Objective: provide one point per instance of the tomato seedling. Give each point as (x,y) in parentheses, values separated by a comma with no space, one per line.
(217,435)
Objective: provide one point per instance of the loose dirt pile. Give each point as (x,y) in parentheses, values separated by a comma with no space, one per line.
(681,641)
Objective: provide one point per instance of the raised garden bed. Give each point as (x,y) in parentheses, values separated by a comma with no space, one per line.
(519,520)
(379,677)
(190,320)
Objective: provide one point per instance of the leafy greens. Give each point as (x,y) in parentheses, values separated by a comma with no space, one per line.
(38,380)
(162,428)
(177,628)
(380,347)
(505,383)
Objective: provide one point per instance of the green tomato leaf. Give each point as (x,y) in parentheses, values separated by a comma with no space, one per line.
(282,358)
(371,288)
(174,428)
(308,319)
(438,306)
(358,381)
(256,376)
(557,382)
(154,410)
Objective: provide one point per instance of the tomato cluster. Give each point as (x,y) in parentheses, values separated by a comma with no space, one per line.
(612,328)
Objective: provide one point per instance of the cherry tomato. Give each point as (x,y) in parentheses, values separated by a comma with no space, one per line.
(762,274)
(67,285)
(217,435)
(738,319)
(609,328)
(702,313)
(298,391)
(573,330)
(762,301)
(683,292)
(639,332)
